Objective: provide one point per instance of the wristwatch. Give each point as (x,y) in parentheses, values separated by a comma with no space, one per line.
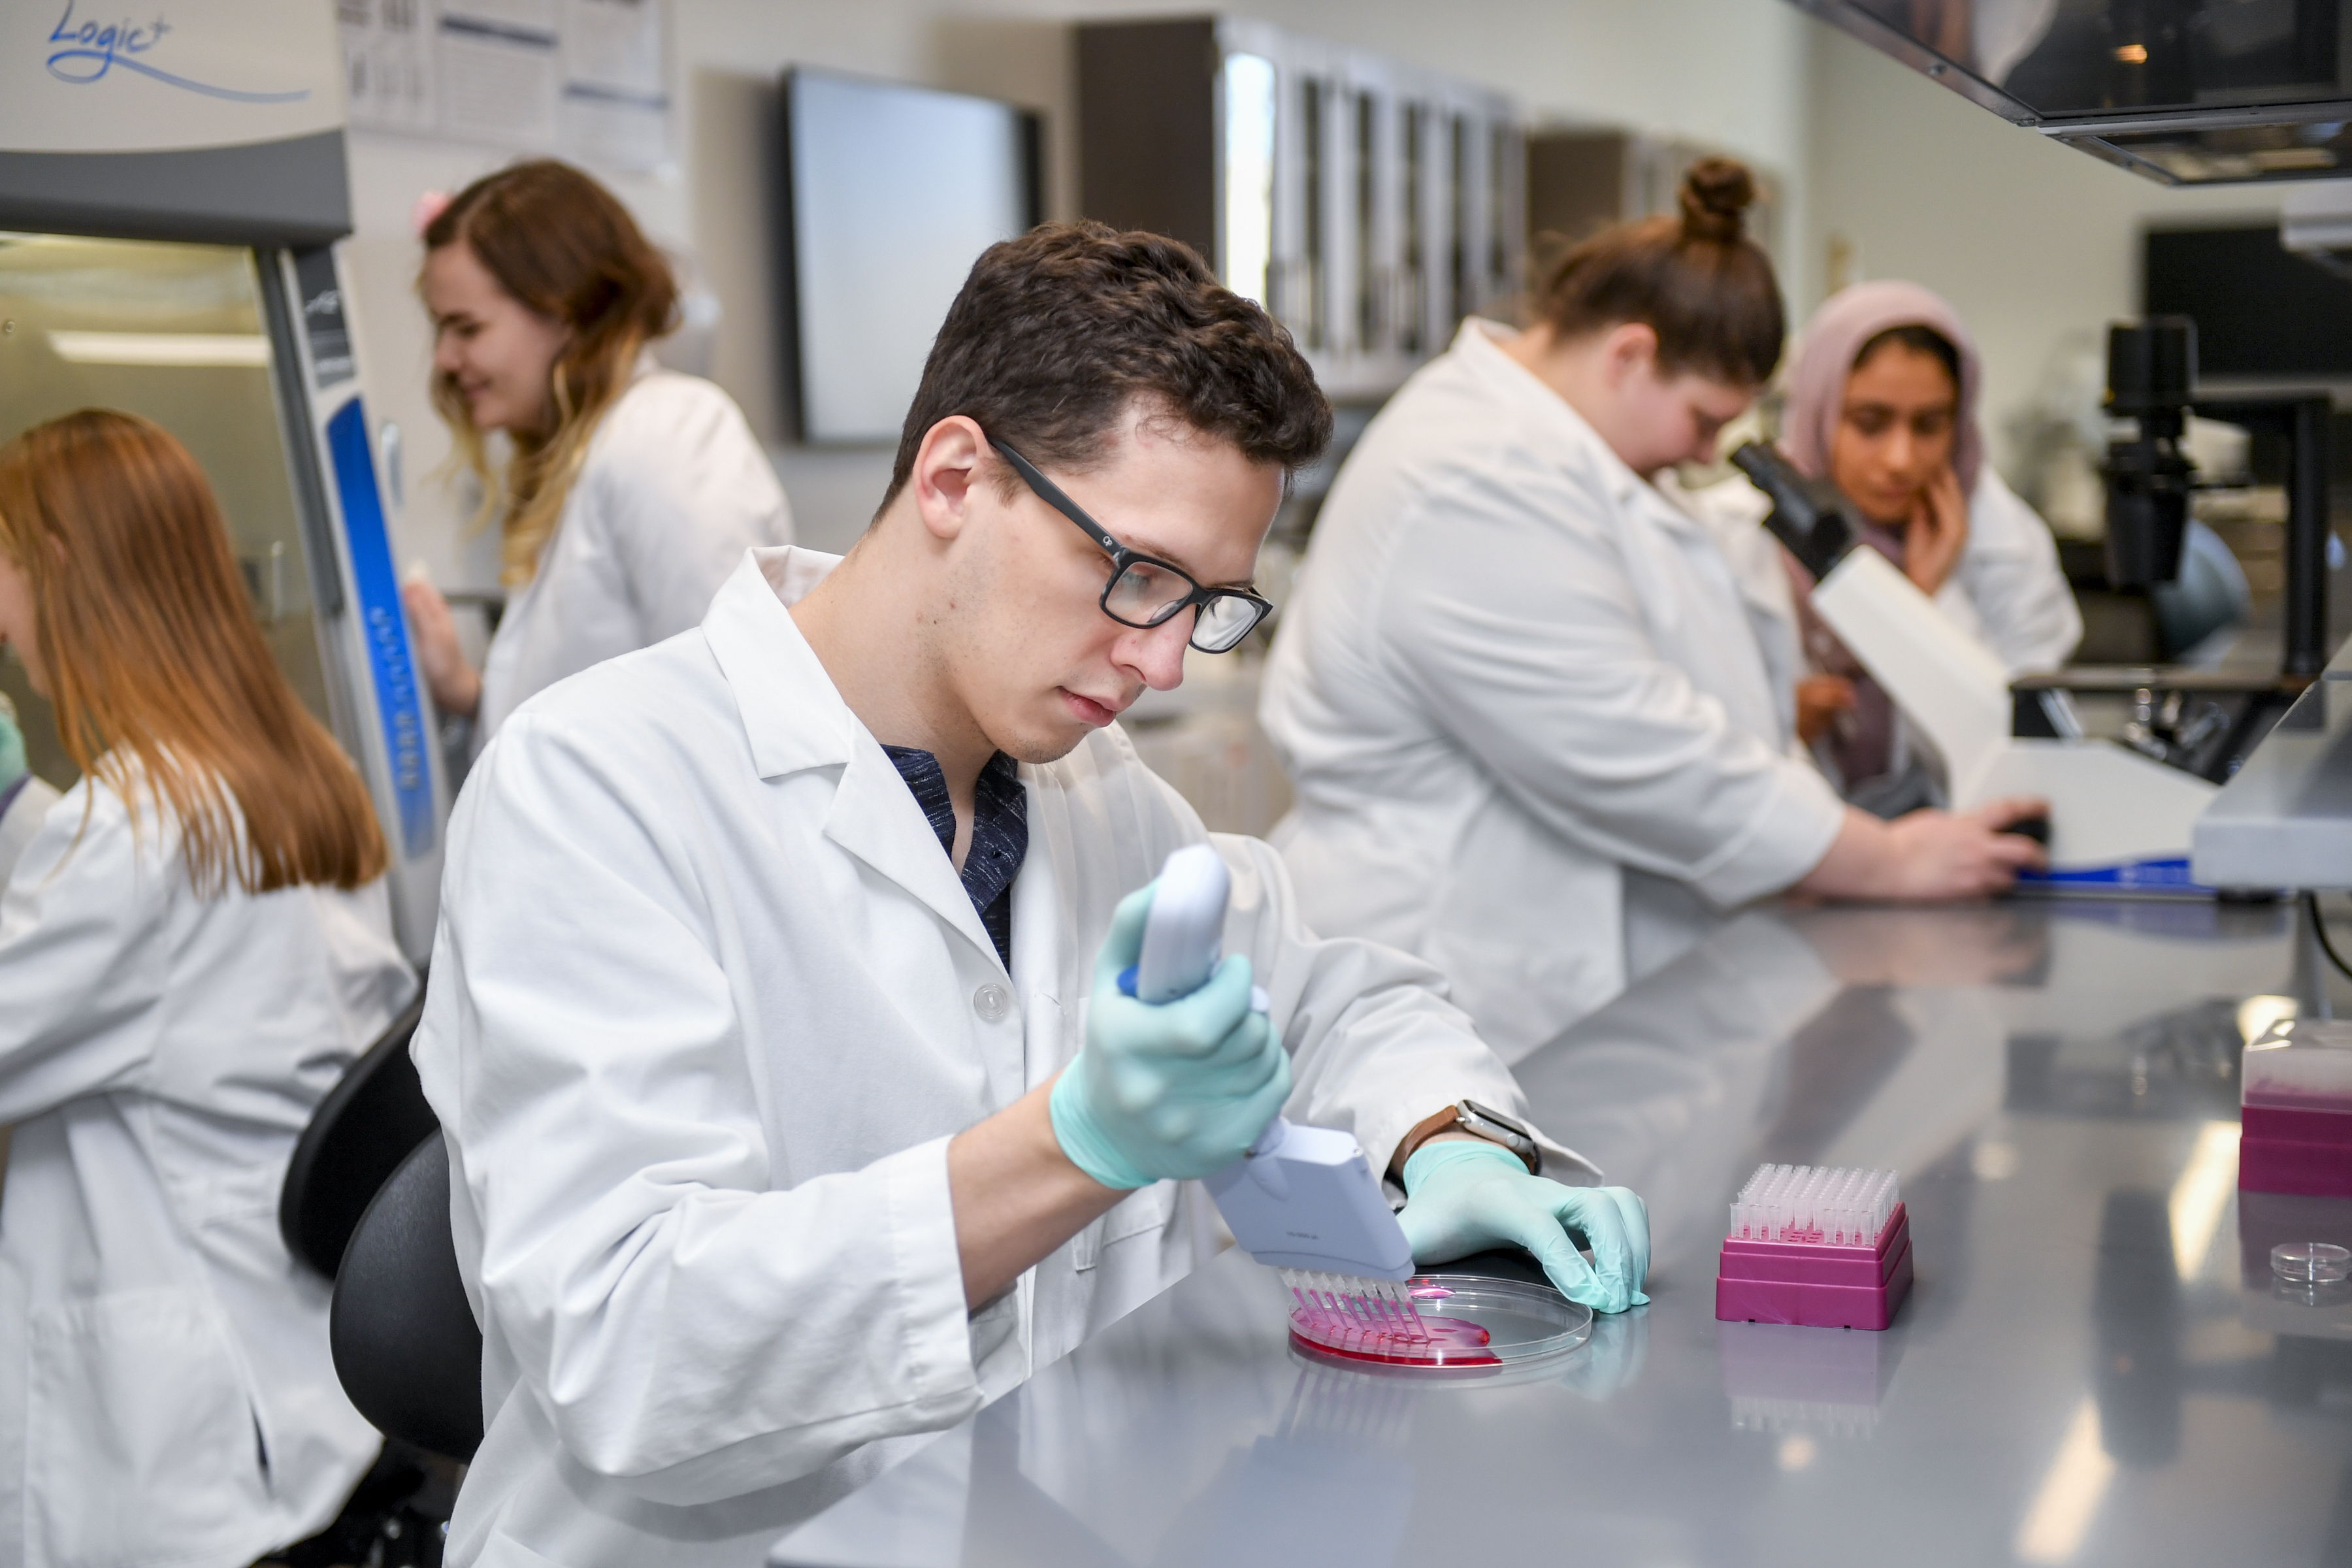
(1479,1121)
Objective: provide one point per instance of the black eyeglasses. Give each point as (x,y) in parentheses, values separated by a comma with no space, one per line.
(1144,592)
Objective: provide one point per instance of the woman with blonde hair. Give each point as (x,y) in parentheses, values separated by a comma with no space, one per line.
(193,947)
(630,493)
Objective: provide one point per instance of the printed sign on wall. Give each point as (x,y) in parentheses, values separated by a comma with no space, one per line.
(580,78)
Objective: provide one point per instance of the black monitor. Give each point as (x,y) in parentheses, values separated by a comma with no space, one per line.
(2262,312)
(890,193)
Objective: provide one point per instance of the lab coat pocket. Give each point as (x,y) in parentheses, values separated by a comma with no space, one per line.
(141,1442)
(1144,1212)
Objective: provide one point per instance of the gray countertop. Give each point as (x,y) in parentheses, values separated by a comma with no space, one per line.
(2088,1370)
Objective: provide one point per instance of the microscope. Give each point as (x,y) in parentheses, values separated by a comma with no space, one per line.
(2119,820)
(2202,721)
(2121,810)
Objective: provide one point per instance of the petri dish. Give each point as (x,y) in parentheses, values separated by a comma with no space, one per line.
(1472,1325)
(2311,1262)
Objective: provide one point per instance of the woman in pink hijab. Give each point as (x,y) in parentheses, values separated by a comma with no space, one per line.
(1883,400)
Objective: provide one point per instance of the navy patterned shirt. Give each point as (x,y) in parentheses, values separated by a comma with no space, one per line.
(1000,832)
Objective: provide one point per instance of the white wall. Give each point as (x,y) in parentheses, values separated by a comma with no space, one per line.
(2035,244)
(1730,72)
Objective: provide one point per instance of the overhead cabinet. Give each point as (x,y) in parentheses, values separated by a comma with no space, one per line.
(1367,203)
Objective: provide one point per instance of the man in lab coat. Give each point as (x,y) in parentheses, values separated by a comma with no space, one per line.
(792,1104)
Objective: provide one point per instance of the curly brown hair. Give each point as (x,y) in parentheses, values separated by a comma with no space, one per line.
(1054,334)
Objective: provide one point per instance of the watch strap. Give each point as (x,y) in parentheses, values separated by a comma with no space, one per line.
(1451,1120)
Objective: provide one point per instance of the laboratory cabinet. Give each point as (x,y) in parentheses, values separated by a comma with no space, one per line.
(1369,204)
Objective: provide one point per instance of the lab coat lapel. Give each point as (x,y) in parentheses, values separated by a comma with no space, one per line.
(875,818)
(795,719)
(1644,521)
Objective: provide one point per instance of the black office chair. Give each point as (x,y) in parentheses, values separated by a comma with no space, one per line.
(367,1124)
(356,1139)
(403,1333)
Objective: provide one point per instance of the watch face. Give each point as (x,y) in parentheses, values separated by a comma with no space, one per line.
(1486,1113)
(1487,1122)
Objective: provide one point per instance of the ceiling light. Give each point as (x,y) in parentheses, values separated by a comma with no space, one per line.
(239,350)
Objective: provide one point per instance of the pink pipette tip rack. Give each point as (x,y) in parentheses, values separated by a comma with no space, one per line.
(1815,1247)
(2294,1087)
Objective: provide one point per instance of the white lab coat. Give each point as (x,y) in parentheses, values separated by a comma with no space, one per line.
(1534,738)
(165,1390)
(673,489)
(27,807)
(707,1002)
(2006,590)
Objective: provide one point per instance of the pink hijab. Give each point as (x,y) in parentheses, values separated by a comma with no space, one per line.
(1861,746)
(1846,321)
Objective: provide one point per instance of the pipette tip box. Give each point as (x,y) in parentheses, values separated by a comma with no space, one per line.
(1816,1248)
(2294,1089)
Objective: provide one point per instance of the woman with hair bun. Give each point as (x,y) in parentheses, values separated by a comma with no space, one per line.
(631,492)
(1525,702)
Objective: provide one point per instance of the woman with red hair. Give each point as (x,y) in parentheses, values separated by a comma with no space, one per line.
(193,946)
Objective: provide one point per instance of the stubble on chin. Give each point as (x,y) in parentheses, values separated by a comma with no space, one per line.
(1044,745)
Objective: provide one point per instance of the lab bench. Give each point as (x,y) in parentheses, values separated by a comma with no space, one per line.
(2093,1368)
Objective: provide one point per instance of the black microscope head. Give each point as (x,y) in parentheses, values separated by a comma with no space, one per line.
(1809,515)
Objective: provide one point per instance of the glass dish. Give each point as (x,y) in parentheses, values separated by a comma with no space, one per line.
(2311,1262)
(1473,1325)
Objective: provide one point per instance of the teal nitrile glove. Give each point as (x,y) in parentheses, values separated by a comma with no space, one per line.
(12,747)
(1464,1196)
(1178,1090)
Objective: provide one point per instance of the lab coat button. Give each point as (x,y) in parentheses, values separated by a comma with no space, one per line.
(991,1002)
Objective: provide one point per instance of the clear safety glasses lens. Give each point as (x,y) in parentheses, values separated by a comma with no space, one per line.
(1145,594)
(1225,621)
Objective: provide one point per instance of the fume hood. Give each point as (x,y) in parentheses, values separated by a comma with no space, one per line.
(170,197)
(2186,92)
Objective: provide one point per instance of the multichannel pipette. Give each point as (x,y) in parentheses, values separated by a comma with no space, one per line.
(1830,1249)
(1304,1199)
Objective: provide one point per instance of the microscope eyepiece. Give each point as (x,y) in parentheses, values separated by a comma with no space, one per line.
(1809,515)
(2151,367)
